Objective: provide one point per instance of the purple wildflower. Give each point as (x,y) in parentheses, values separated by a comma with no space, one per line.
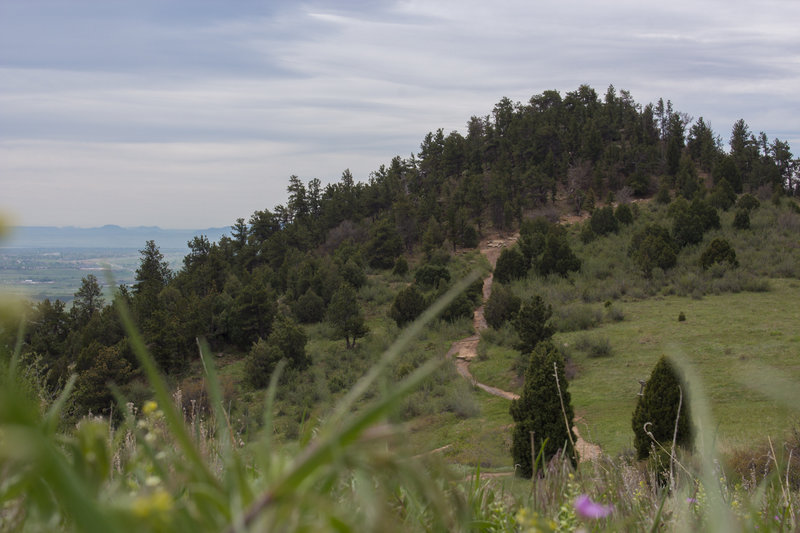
(691,500)
(589,509)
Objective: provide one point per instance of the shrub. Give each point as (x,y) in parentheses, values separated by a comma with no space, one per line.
(624,214)
(538,411)
(603,221)
(652,248)
(511,265)
(309,308)
(681,317)
(594,346)
(557,257)
(663,196)
(687,229)
(407,306)
(741,220)
(429,275)
(353,274)
(722,195)
(400,266)
(718,251)
(501,307)
(706,213)
(461,307)
(587,235)
(658,408)
(748,202)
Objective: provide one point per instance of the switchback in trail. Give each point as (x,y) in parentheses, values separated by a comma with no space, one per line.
(465,350)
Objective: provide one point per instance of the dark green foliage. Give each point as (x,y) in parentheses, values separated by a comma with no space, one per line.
(726,169)
(538,411)
(748,202)
(603,221)
(706,213)
(532,324)
(687,182)
(722,195)
(461,307)
(430,275)
(741,219)
(385,244)
(88,300)
(510,265)
(658,405)
(501,307)
(681,317)
(663,196)
(152,276)
(309,308)
(718,251)
(407,306)
(352,273)
(345,316)
(252,310)
(557,257)
(687,229)
(104,365)
(400,266)
(653,247)
(624,214)
(691,221)
(587,235)
(469,237)
(532,234)
(287,341)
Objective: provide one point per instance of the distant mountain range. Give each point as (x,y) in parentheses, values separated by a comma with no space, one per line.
(109,236)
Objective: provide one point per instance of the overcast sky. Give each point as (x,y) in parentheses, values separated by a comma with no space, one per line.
(192,113)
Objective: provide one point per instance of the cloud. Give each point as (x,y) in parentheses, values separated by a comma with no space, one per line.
(151,90)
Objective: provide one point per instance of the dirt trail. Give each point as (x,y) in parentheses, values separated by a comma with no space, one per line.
(465,350)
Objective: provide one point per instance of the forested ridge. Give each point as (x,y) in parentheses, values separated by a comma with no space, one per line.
(304,262)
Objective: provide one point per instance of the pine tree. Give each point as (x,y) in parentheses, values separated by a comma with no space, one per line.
(539,411)
(532,324)
(510,265)
(345,316)
(658,407)
(407,306)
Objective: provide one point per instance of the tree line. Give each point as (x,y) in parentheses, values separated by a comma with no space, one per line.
(304,261)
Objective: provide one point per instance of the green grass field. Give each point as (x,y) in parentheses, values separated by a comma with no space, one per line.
(723,336)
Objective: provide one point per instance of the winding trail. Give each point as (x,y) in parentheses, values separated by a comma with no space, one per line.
(465,350)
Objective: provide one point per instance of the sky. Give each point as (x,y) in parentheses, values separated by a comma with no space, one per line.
(193,113)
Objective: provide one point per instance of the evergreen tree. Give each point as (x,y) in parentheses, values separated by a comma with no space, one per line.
(718,251)
(152,276)
(501,307)
(287,341)
(557,257)
(624,214)
(603,221)
(742,219)
(653,247)
(309,308)
(88,300)
(532,324)
(538,413)
(385,244)
(345,316)
(658,408)
(407,306)
(510,265)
